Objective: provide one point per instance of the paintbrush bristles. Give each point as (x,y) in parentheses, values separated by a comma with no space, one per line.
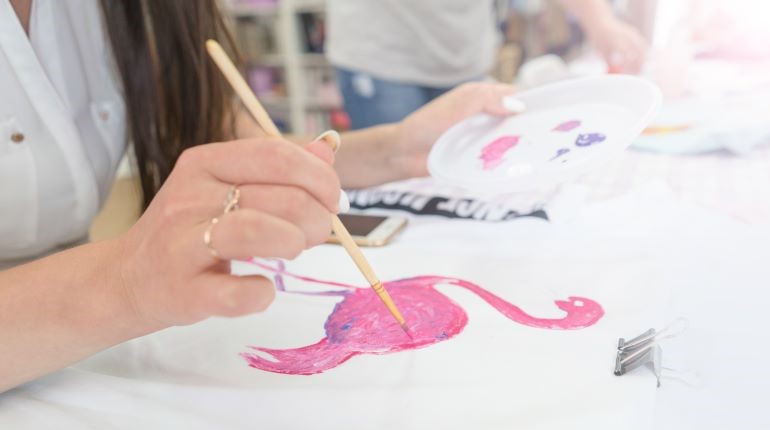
(382,293)
(363,265)
(241,88)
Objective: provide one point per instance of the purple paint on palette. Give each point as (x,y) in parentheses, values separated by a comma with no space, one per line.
(568,126)
(360,324)
(589,139)
(559,153)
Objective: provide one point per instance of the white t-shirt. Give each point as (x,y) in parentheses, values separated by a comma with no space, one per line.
(62,125)
(434,43)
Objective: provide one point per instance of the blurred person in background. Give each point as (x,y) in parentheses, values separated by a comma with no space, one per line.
(393,56)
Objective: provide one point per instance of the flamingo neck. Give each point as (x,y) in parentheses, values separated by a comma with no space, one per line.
(511,311)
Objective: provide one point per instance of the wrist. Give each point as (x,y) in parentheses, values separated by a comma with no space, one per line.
(394,150)
(404,159)
(115,284)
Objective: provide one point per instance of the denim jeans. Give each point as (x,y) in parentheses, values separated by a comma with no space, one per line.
(370,101)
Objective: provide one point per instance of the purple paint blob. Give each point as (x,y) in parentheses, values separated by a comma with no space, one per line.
(567,126)
(589,139)
(360,323)
(492,154)
(559,153)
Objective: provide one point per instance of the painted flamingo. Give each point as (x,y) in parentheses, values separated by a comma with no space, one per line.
(360,324)
(492,153)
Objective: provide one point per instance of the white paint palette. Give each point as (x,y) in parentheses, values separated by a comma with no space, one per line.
(568,129)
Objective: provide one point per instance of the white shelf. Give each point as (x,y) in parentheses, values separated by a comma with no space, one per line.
(314,59)
(246,11)
(269,60)
(309,5)
(320,104)
(293,62)
(272,101)
(305,59)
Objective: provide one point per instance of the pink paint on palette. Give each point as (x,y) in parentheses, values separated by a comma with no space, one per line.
(360,324)
(492,154)
(567,126)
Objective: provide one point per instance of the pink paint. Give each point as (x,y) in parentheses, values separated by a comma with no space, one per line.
(567,126)
(360,324)
(492,154)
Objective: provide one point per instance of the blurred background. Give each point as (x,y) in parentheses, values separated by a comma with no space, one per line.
(711,58)
(283,45)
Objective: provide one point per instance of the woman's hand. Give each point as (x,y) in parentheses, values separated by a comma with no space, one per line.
(620,45)
(65,307)
(414,136)
(287,195)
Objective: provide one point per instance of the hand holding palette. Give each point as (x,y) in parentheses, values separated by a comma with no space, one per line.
(568,129)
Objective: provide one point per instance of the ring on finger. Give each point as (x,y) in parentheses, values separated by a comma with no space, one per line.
(233,196)
(207,237)
(230,204)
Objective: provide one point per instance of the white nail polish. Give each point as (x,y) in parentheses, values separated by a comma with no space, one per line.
(332,138)
(344,203)
(513,104)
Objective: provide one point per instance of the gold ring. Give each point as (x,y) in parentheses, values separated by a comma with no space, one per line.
(230,204)
(207,237)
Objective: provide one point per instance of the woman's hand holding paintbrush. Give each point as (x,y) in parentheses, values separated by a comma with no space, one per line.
(260,115)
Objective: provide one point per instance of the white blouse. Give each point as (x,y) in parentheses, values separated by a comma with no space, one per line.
(62,125)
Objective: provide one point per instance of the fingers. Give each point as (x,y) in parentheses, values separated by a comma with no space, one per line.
(321,150)
(331,138)
(494,99)
(506,105)
(288,203)
(265,161)
(248,233)
(626,52)
(230,296)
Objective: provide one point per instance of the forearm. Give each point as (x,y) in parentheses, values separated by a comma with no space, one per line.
(61,309)
(366,157)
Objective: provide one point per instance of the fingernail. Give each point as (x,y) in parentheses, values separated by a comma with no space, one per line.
(513,104)
(332,138)
(344,203)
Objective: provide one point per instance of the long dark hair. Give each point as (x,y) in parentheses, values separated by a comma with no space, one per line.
(175,97)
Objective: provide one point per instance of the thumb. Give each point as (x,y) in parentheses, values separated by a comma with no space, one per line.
(500,100)
(230,296)
(325,145)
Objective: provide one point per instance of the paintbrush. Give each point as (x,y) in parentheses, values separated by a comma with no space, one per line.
(249,99)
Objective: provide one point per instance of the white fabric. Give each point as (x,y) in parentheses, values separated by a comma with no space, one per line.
(434,43)
(60,91)
(631,252)
(495,374)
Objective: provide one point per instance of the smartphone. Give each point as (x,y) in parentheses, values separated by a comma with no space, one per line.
(370,230)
